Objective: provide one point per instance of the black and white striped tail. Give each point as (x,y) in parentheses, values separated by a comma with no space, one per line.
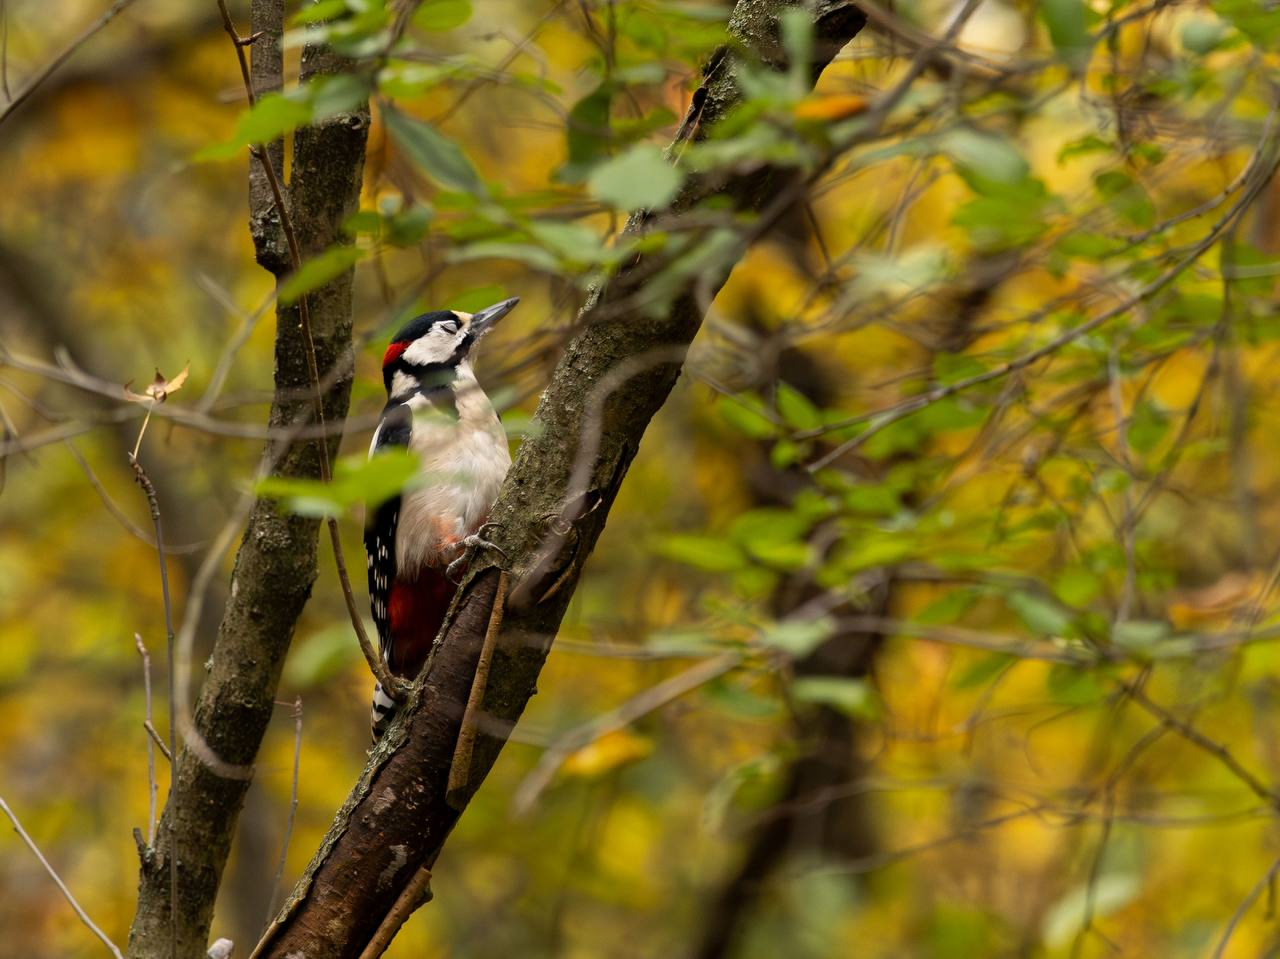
(383,711)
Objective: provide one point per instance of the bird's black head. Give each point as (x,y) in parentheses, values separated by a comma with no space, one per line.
(427,351)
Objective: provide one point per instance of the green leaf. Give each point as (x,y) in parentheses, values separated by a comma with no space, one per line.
(1073,685)
(534,256)
(476,299)
(1257,21)
(587,132)
(572,241)
(985,669)
(336,94)
(798,637)
(318,271)
(754,772)
(796,409)
(1076,586)
(853,697)
(640,179)
(785,556)
(1065,20)
(713,554)
(985,157)
(1127,197)
(1148,425)
(1040,615)
(769,525)
(748,415)
(321,657)
(320,10)
(948,608)
(438,157)
(441,14)
(356,480)
(1140,637)
(1088,144)
(797,40)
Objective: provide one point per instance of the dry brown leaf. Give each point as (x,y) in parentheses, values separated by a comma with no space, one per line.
(159,389)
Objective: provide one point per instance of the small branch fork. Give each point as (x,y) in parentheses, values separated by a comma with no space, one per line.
(153,502)
(394,686)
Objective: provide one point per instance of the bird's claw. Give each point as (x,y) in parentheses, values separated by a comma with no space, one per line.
(470,545)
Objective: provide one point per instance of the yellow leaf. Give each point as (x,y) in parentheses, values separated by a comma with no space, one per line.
(835,107)
(608,752)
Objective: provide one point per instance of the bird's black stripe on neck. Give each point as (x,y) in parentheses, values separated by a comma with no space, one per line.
(441,397)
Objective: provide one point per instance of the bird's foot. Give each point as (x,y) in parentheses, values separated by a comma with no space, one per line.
(469,546)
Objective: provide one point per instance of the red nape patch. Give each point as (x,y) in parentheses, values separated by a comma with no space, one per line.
(393,353)
(415,610)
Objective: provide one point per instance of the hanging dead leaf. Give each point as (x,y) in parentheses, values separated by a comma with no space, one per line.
(159,389)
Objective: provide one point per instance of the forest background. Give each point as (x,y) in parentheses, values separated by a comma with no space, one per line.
(936,614)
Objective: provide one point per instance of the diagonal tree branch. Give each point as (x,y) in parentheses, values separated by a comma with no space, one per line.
(398,816)
(276,563)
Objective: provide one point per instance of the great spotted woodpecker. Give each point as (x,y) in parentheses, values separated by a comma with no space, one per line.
(416,541)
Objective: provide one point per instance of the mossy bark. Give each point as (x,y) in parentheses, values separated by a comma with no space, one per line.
(275,566)
(614,376)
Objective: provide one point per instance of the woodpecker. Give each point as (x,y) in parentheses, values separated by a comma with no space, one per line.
(414,542)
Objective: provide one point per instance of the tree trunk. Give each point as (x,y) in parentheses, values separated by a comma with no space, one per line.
(276,563)
(613,378)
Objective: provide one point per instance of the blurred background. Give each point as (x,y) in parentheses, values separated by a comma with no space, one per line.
(858,669)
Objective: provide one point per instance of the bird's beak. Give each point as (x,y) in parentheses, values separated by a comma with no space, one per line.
(486,319)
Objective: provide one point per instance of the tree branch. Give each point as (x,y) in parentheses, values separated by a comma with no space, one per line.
(398,816)
(276,563)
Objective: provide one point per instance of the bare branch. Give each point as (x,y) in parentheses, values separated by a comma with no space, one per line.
(30,86)
(17,827)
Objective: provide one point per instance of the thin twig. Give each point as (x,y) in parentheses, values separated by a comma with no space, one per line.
(415,894)
(154,503)
(460,768)
(156,738)
(60,59)
(293,810)
(880,420)
(643,703)
(17,827)
(120,516)
(393,686)
(1243,908)
(152,787)
(1193,735)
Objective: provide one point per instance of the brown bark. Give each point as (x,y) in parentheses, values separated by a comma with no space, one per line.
(398,816)
(276,563)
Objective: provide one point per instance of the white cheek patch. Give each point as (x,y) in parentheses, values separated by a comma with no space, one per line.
(402,384)
(436,347)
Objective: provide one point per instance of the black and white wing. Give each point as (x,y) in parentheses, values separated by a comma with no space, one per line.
(381,520)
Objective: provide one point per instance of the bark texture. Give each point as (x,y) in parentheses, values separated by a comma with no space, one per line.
(276,562)
(612,379)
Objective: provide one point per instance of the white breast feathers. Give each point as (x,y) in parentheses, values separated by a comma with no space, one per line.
(464,462)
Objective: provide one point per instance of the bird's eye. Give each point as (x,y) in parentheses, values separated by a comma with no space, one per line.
(449,326)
